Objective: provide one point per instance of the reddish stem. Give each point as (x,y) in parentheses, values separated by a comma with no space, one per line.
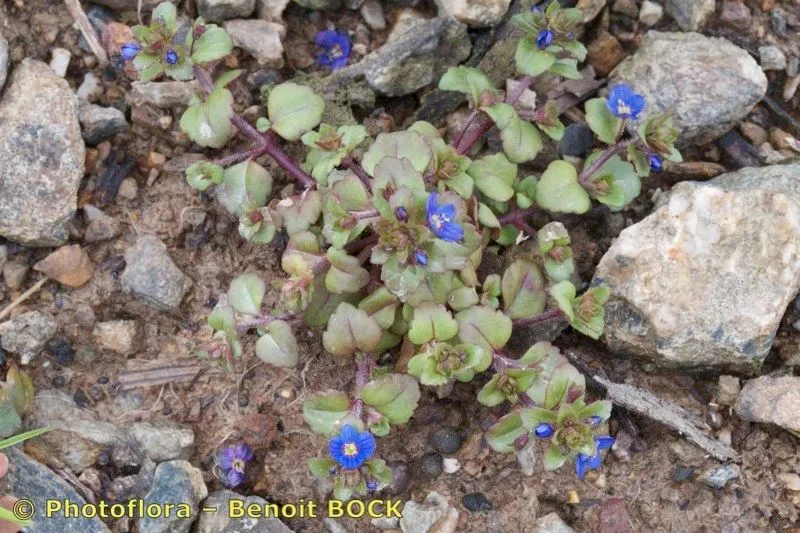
(552,314)
(354,166)
(608,153)
(363,370)
(473,114)
(364,242)
(260,321)
(517,214)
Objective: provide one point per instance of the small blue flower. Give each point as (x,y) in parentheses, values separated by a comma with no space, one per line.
(421,257)
(232,461)
(401,214)
(544,430)
(594,420)
(335,48)
(171,56)
(536,9)
(592,462)
(129,51)
(623,102)
(545,38)
(656,163)
(351,448)
(440,220)
(372,485)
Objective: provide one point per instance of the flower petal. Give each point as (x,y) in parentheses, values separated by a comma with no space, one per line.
(225,458)
(348,433)
(604,443)
(447,211)
(234,478)
(580,466)
(336,449)
(366,445)
(326,38)
(594,461)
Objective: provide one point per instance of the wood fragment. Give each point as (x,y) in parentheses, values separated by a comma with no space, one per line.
(24,296)
(184,370)
(75,9)
(669,414)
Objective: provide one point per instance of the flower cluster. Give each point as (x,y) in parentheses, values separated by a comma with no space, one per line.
(386,239)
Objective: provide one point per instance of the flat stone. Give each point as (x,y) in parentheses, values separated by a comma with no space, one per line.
(771,400)
(719,476)
(260,38)
(691,15)
(43,156)
(101,227)
(100,123)
(475,13)
(163,94)
(551,523)
(220,521)
(152,276)
(175,482)
(704,280)
(120,336)
(708,84)
(3,60)
(219,10)
(30,480)
(163,441)
(69,265)
(27,334)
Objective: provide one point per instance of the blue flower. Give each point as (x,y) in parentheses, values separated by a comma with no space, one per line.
(351,448)
(440,220)
(592,462)
(171,56)
(594,420)
(129,51)
(372,485)
(624,102)
(536,9)
(232,460)
(544,430)
(656,163)
(421,257)
(335,48)
(545,38)
(401,214)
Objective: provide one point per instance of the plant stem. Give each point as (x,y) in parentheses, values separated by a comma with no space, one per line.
(518,214)
(501,361)
(238,157)
(473,114)
(260,321)
(351,164)
(363,370)
(607,154)
(357,246)
(552,314)
(518,90)
(284,160)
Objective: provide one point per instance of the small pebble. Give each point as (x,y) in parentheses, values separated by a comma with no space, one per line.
(80,399)
(718,477)
(772,58)
(91,89)
(431,464)
(59,61)
(451,465)
(573,498)
(728,389)
(446,440)
(682,473)
(576,141)
(62,351)
(650,12)
(476,502)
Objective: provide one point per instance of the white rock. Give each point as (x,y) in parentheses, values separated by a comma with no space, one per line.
(59,61)
(650,12)
(165,94)
(551,523)
(119,336)
(420,517)
(772,58)
(451,465)
(27,334)
(475,13)
(728,390)
(372,11)
(260,38)
(91,88)
(271,10)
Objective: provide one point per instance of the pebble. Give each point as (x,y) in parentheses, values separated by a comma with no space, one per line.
(691,15)
(446,440)
(163,94)
(62,351)
(271,9)
(421,517)
(451,465)
(90,89)
(128,189)
(791,87)
(372,11)
(551,523)
(773,400)
(260,38)
(219,10)
(431,464)
(736,13)
(69,265)
(577,140)
(605,53)
(174,481)
(719,476)
(14,273)
(682,473)
(399,482)
(476,502)
(27,334)
(100,227)
(728,389)
(754,133)
(772,58)
(100,123)
(152,276)
(163,441)
(220,521)
(59,61)
(613,517)
(475,13)
(120,336)
(791,481)
(626,7)
(650,13)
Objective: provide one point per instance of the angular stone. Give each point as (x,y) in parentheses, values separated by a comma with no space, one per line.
(220,521)
(175,482)
(690,15)
(43,156)
(707,83)
(650,12)
(704,280)
(152,276)
(551,523)
(69,265)
(119,336)
(163,94)
(271,9)
(605,53)
(100,123)
(219,10)
(771,400)
(163,441)
(772,58)
(27,334)
(418,517)
(475,13)
(260,38)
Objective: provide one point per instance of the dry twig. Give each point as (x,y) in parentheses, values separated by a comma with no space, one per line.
(75,9)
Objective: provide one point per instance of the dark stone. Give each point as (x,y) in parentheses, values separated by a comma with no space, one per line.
(740,152)
(431,464)
(399,482)
(476,502)
(446,440)
(682,473)
(80,399)
(576,141)
(62,351)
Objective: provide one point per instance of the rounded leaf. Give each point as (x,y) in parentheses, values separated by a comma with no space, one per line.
(294,109)
(350,330)
(278,347)
(559,191)
(246,293)
(245,187)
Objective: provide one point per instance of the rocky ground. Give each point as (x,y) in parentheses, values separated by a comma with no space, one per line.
(122,261)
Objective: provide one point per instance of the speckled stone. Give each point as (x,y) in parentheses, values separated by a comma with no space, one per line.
(771,400)
(152,276)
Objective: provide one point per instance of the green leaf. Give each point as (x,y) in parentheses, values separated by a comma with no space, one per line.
(505,432)
(530,60)
(246,293)
(395,396)
(484,327)
(490,395)
(323,304)
(575,48)
(166,14)
(381,305)
(213,44)
(601,121)
(350,330)
(245,187)
(487,217)
(346,273)
(400,145)
(19,389)
(321,468)
(262,124)
(204,174)
(327,412)
(223,318)
(567,68)
(523,290)
(559,191)
(300,212)
(553,458)
(225,79)
(565,378)
(469,81)
(430,322)
(8,516)
(601,408)
(494,176)
(563,293)
(534,416)
(278,347)
(293,110)
(10,420)
(621,178)
(381,427)
(521,139)
(209,123)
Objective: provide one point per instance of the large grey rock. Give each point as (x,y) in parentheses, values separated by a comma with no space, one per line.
(475,13)
(219,10)
(220,521)
(414,59)
(152,276)
(707,83)
(100,123)
(3,60)
(771,400)
(175,482)
(691,15)
(28,479)
(42,156)
(260,38)
(27,334)
(705,279)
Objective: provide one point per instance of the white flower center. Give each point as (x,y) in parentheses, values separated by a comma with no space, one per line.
(439,220)
(623,108)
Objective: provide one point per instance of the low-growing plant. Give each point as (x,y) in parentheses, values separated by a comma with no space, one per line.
(386,237)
